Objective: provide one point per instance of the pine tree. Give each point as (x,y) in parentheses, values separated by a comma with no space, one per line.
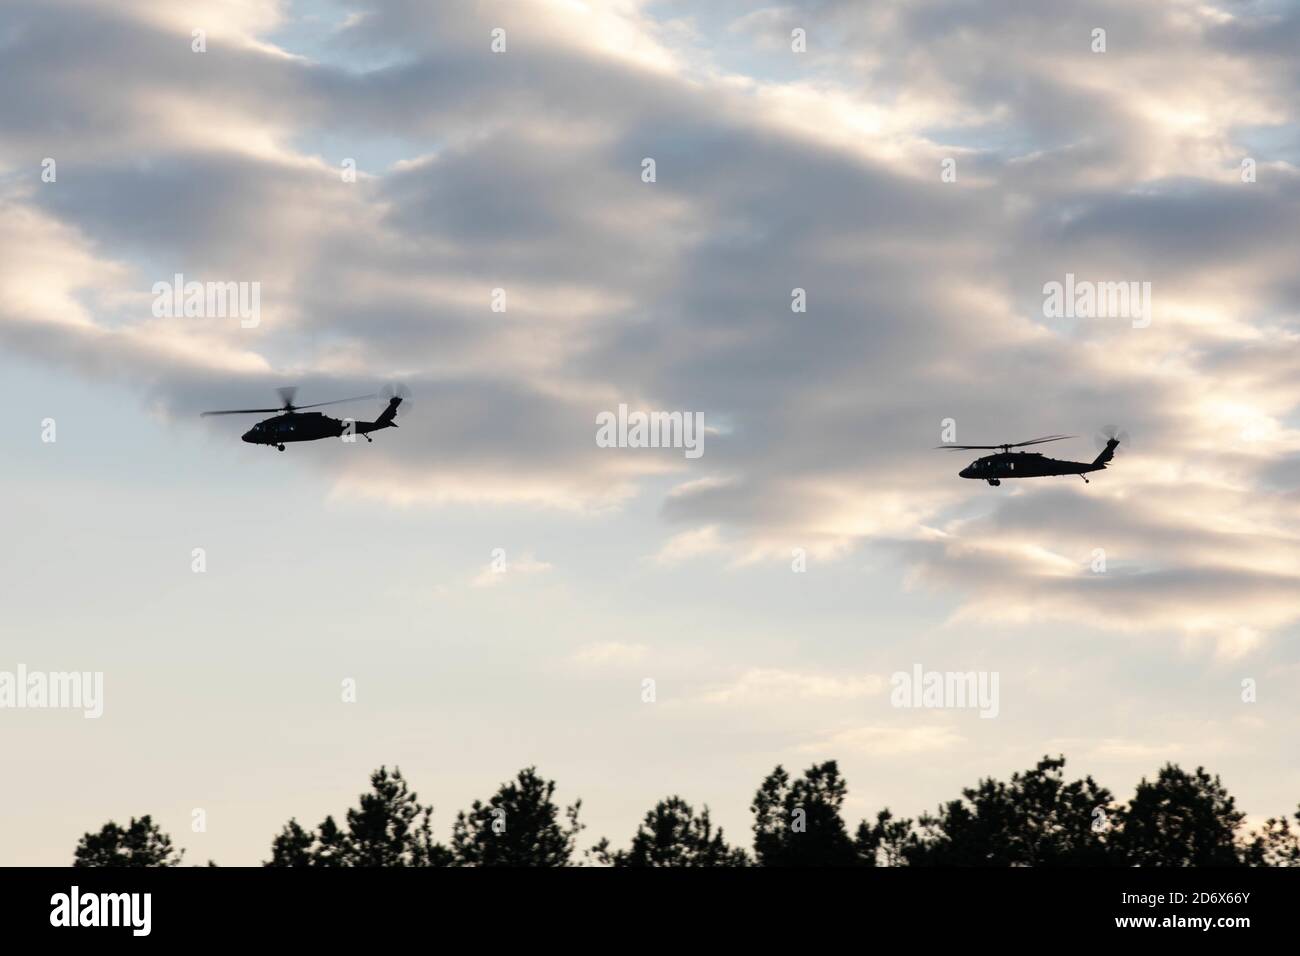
(518,826)
(1180,819)
(672,834)
(141,843)
(798,823)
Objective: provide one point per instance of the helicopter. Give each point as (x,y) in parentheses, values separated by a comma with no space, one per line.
(1030,464)
(293,424)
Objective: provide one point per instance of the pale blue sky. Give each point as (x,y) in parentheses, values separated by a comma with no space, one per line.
(371,562)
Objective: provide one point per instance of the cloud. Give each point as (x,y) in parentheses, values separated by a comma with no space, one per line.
(1119,748)
(521,172)
(495,573)
(764,685)
(689,544)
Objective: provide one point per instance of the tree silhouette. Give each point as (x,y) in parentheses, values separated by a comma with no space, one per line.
(518,826)
(292,846)
(331,845)
(673,835)
(140,844)
(390,828)
(1036,820)
(886,843)
(1181,819)
(1276,845)
(798,823)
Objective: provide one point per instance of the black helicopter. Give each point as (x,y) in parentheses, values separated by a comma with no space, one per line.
(1030,464)
(292,424)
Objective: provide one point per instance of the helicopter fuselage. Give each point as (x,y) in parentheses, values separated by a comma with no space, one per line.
(312,426)
(1024,464)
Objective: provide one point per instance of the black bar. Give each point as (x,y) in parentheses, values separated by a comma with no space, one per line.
(189,904)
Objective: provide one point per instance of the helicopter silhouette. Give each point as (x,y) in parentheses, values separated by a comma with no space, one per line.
(293,424)
(1030,464)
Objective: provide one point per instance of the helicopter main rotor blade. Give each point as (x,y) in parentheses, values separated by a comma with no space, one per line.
(1039,441)
(338,401)
(1018,444)
(241,411)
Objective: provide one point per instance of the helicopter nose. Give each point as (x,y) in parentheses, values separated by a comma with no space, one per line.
(248,435)
(964,473)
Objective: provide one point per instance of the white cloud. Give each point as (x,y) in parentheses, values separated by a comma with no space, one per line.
(766,685)
(509,568)
(689,544)
(610,654)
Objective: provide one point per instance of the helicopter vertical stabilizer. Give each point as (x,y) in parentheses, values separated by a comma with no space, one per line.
(388,414)
(1107,453)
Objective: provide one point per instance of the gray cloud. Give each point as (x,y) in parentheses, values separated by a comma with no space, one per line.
(522,171)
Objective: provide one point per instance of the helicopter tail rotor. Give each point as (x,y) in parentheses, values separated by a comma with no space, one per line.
(396,395)
(1108,439)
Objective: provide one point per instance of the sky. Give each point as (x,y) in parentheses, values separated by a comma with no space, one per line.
(920,170)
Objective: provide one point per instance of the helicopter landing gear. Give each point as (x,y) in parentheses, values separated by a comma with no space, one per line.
(281,447)
(1085,479)
(369,439)
(995,482)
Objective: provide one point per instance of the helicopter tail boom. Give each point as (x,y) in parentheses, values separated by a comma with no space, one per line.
(385,419)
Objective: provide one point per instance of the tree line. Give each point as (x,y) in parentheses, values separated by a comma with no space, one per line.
(1037,818)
